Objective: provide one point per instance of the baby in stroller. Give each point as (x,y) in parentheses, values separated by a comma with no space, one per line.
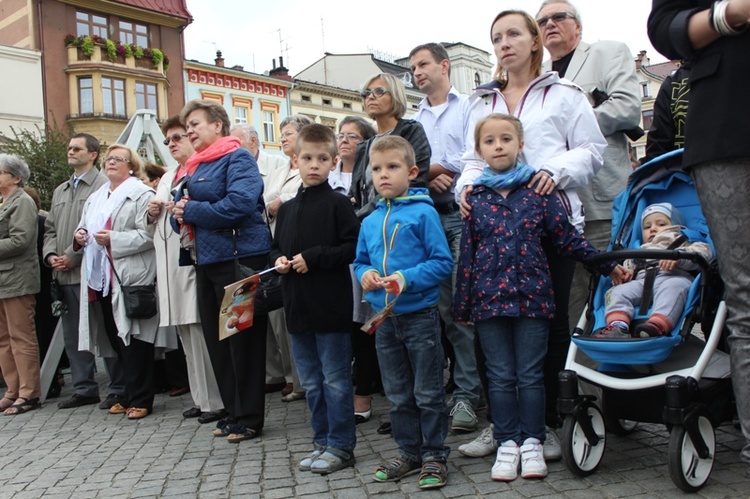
(667,281)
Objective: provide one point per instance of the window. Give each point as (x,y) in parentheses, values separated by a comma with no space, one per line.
(347,105)
(477,80)
(240,115)
(327,102)
(306,98)
(113,95)
(648,119)
(91,24)
(644,89)
(85,95)
(145,96)
(269,127)
(133,33)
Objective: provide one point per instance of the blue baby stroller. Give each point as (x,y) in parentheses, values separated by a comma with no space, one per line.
(679,380)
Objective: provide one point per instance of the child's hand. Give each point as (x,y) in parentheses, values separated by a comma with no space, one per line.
(299,264)
(667,265)
(284,265)
(620,275)
(464,205)
(371,281)
(393,284)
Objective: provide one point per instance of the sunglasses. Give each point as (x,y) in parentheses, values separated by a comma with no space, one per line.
(75,149)
(176,138)
(377,92)
(557,18)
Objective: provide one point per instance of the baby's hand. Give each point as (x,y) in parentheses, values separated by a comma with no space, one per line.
(282,265)
(667,265)
(371,281)
(620,275)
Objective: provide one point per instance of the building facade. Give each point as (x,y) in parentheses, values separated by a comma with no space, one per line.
(20,110)
(650,78)
(102,60)
(258,100)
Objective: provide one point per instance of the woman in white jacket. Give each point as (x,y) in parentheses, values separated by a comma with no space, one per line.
(114,229)
(562,141)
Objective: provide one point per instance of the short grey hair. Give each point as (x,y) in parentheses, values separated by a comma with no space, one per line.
(297,120)
(248,130)
(397,89)
(573,9)
(16,167)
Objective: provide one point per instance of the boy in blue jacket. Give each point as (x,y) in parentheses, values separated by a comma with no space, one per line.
(402,256)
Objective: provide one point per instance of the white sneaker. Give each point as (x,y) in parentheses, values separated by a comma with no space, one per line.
(552,449)
(483,445)
(532,459)
(505,468)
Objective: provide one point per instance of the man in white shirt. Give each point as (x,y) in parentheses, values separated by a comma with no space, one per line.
(444,117)
(249,140)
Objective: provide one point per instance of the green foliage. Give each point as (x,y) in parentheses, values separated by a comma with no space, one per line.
(46,154)
(87,46)
(128,51)
(137,51)
(157,56)
(111,50)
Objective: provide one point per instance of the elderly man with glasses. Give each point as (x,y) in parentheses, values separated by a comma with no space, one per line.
(65,213)
(606,72)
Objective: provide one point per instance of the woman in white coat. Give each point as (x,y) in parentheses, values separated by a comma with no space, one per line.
(562,141)
(178,299)
(114,229)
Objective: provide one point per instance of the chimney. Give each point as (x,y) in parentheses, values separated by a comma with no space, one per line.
(219,59)
(642,60)
(280,72)
(238,67)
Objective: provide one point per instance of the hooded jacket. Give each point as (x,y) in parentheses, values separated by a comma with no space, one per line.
(404,236)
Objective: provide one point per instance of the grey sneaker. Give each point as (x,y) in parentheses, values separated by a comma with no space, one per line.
(463,416)
(612,332)
(552,449)
(483,445)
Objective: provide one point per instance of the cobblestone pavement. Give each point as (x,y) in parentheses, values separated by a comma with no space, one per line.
(86,452)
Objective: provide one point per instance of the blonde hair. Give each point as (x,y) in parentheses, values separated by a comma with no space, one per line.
(136,165)
(396,88)
(395,143)
(536,57)
(499,117)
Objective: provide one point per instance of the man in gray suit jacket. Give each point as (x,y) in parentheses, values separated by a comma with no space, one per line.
(606,70)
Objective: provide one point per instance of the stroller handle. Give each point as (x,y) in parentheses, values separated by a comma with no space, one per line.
(643,254)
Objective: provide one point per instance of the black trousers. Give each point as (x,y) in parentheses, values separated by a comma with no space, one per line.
(137,360)
(239,362)
(562,270)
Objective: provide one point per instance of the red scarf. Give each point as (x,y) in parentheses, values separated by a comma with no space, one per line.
(222,147)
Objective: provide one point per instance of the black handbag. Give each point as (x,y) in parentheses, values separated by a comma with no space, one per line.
(140,301)
(268,293)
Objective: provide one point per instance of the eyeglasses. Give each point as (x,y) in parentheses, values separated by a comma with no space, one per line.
(286,135)
(176,138)
(557,18)
(351,137)
(75,149)
(377,92)
(116,159)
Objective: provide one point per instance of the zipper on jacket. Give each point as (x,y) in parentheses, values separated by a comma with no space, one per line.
(388,245)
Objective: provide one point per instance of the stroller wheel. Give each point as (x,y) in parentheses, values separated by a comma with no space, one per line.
(686,468)
(579,455)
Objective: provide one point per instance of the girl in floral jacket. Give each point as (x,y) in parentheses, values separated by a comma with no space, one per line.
(504,287)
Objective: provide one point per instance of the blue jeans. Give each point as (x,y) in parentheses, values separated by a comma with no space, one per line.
(324,365)
(465,375)
(515,348)
(411,365)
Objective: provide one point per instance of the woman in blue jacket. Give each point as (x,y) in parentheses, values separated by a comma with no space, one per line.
(218,212)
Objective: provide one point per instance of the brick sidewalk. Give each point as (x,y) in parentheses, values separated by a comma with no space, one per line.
(86,452)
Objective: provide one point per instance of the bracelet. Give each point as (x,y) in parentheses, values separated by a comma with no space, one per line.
(718,20)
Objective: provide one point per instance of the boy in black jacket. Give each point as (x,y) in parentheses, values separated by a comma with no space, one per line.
(316,239)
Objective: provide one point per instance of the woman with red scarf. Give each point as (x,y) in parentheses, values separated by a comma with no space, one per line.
(218,213)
